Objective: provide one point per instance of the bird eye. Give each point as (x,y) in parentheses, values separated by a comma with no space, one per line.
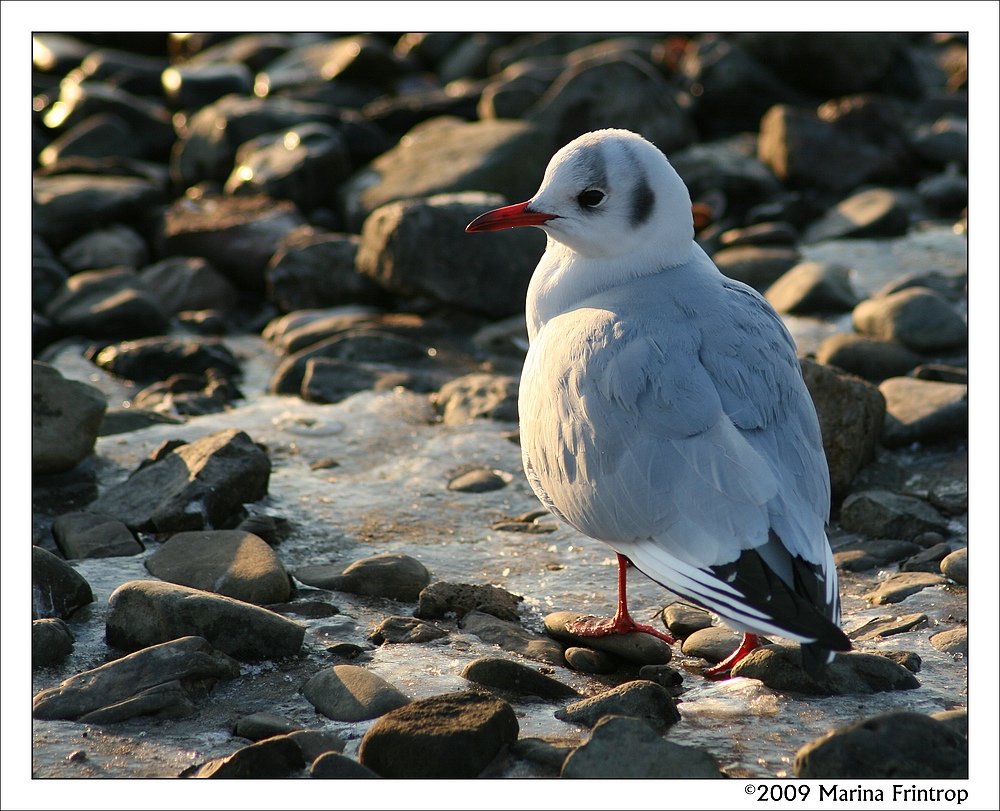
(590,198)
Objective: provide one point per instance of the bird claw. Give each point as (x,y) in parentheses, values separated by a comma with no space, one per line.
(590,626)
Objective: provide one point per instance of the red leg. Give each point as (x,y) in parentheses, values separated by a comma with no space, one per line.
(721,670)
(622,622)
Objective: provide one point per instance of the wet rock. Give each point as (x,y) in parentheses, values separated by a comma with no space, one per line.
(544,753)
(126,420)
(761,233)
(941,373)
(302,329)
(759,266)
(871,213)
(478,396)
(927,560)
(329,380)
(312,609)
(956,566)
(168,700)
(66,206)
(232,562)
(873,360)
(192,86)
(91,535)
(334,766)
(65,418)
(315,268)
(351,693)
(907,659)
(504,157)
(881,627)
(665,676)
(637,647)
(864,555)
(957,720)
(187,394)
(314,743)
(712,644)
(518,87)
(260,725)
(396,114)
(901,585)
(505,674)
(954,641)
(148,360)
(112,303)
(451,736)
(923,411)
(304,164)
(391,574)
(780,668)
(195,486)
(188,283)
(57,589)
(944,142)
(441,598)
(51,642)
(621,747)
(640,699)
(237,235)
(813,287)
(419,247)
(47,273)
(884,514)
(401,630)
(102,135)
(945,194)
(185,663)
(479,481)
(268,759)
(893,745)
(147,612)
(112,246)
(918,318)
(512,637)
(588,660)
(682,620)
(729,166)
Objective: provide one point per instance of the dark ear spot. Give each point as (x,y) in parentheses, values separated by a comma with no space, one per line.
(643,200)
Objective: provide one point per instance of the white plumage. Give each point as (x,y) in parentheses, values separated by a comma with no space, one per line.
(662,406)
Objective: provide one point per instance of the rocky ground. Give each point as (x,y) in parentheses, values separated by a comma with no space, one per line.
(279,523)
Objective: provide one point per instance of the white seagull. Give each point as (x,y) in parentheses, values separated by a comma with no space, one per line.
(662,406)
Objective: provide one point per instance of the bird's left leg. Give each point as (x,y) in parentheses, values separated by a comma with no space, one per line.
(622,622)
(721,670)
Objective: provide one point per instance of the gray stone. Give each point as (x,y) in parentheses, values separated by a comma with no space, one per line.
(65,418)
(187,660)
(957,720)
(712,644)
(441,598)
(588,660)
(884,514)
(110,303)
(759,266)
(102,135)
(761,233)
(665,676)
(419,247)
(334,766)
(956,566)
(330,380)
(168,700)
(896,745)
(112,246)
(351,693)
(402,630)
(512,637)
(621,748)
(639,648)
(901,585)
(90,535)
(881,627)
(188,283)
(260,725)
(193,487)
(51,642)
(926,560)
(314,743)
(871,359)
(230,562)
(57,589)
(682,620)
(917,317)
(780,668)
(477,396)
(870,213)
(390,574)
(550,755)
(147,612)
(813,287)
(641,699)
(851,413)
(505,674)
(954,641)
(192,86)
(946,141)
(271,758)
(923,410)
(479,481)
(729,165)
(157,358)
(450,736)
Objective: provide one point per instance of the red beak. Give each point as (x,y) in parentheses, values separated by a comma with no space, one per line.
(508,217)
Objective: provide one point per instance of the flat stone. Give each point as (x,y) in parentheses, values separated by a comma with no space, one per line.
(759,266)
(184,660)
(893,745)
(479,481)
(917,317)
(450,736)
(956,566)
(901,585)
(57,589)
(923,410)
(440,599)
(146,612)
(641,699)
(168,700)
(229,562)
(478,396)
(954,641)
(870,213)
(682,620)
(780,668)
(108,303)
(927,560)
(149,360)
(51,642)
(260,725)
(813,287)
(65,419)
(188,283)
(335,766)
(881,627)
(391,574)
(884,514)
(401,630)
(314,743)
(621,748)
(90,535)
(351,693)
(712,644)
(505,674)
(874,360)
(637,647)
(588,660)
(512,637)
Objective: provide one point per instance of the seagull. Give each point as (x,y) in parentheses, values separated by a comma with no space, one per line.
(662,407)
